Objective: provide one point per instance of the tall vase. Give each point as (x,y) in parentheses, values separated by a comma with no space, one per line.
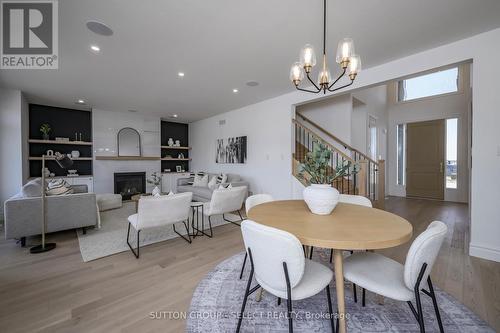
(321,198)
(156,191)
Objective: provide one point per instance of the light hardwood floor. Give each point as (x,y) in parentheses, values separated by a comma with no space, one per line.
(57,292)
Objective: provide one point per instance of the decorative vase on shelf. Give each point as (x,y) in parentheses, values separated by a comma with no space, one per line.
(45,137)
(170,142)
(156,191)
(321,198)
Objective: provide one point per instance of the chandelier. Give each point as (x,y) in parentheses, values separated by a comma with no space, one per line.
(346,58)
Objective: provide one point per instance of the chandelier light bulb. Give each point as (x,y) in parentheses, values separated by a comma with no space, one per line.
(307,57)
(345,50)
(324,77)
(354,66)
(296,73)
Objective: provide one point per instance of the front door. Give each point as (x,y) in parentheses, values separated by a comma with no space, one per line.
(425,159)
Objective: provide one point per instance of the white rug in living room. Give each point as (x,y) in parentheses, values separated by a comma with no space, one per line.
(111,238)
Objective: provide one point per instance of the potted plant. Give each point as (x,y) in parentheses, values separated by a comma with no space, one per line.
(155,179)
(45,129)
(320,196)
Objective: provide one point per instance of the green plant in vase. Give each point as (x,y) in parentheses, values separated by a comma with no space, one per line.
(45,129)
(317,170)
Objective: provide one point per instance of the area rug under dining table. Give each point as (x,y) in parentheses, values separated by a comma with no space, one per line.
(218,298)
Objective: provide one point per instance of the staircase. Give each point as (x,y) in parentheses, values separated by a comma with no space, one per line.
(368,181)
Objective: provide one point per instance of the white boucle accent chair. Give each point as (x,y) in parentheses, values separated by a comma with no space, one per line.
(281,269)
(223,201)
(389,278)
(160,211)
(251,202)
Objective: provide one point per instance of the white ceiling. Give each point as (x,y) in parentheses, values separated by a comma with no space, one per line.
(221,44)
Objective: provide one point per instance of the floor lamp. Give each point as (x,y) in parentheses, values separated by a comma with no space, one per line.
(64,162)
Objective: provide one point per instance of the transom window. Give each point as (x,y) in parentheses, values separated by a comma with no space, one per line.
(433,84)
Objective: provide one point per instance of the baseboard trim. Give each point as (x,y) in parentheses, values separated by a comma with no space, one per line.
(484,252)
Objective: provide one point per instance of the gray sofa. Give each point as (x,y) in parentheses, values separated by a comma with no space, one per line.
(204,194)
(22,212)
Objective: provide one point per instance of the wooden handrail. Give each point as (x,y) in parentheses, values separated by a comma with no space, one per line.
(329,145)
(330,135)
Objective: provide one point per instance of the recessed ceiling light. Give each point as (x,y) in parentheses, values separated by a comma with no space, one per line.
(174,116)
(235,91)
(95,48)
(80,101)
(252,83)
(132,110)
(99,28)
(180,74)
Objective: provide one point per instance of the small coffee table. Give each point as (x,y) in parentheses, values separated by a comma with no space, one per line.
(196,206)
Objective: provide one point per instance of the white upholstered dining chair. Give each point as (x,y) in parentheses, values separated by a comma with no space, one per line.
(224,201)
(389,278)
(159,211)
(281,269)
(251,202)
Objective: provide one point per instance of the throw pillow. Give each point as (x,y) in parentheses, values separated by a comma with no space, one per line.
(212,184)
(222,178)
(200,181)
(225,186)
(58,187)
(192,175)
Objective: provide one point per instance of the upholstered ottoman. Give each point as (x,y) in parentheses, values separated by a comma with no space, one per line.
(108,201)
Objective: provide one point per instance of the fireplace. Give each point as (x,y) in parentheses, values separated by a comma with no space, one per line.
(130,183)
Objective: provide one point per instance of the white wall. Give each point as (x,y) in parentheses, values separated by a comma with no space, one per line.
(375,100)
(105,127)
(11,144)
(268,124)
(333,114)
(359,124)
(439,107)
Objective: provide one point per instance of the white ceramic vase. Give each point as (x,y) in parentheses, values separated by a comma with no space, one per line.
(321,198)
(156,191)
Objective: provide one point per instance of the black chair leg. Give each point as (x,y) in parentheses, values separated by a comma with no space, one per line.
(188,239)
(23,241)
(434,302)
(311,252)
(247,292)
(234,222)
(243,266)
(355,293)
(289,298)
(331,256)
(130,246)
(290,322)
(363,297)
(279,301)
(330,308)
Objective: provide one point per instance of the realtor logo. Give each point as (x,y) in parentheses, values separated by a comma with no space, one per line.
(29,36)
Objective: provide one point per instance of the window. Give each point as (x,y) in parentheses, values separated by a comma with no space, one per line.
(451,152)
(433,84)
(401,139)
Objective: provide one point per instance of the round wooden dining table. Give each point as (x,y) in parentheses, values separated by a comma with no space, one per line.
(348,227)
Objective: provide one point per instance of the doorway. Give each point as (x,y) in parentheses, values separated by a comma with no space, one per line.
(425,159)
